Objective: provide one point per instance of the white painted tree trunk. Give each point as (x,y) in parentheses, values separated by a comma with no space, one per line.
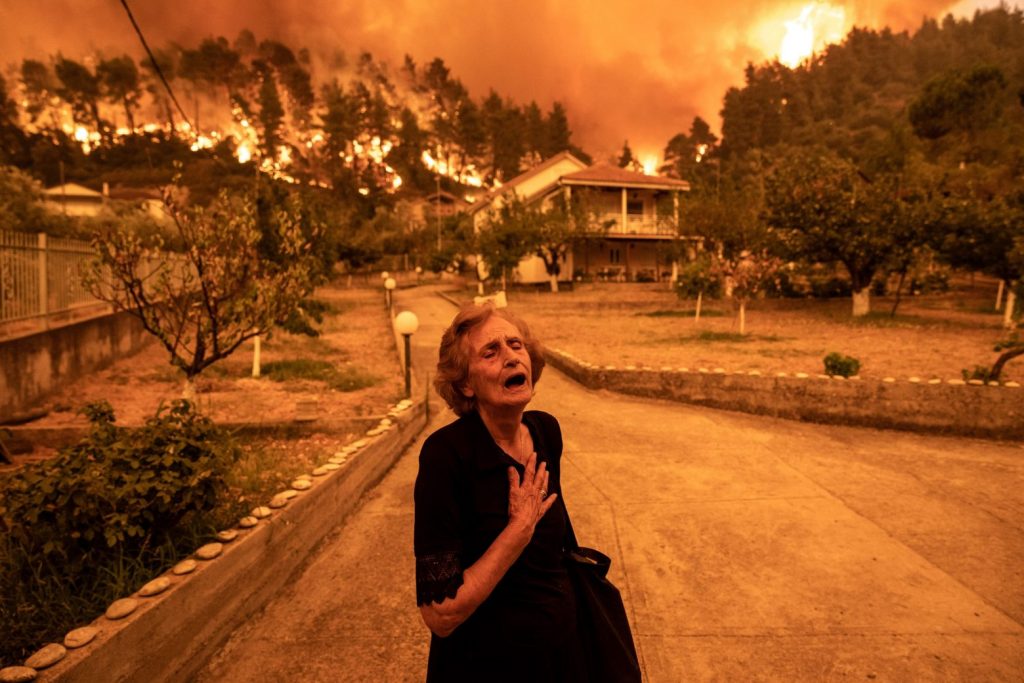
(675,275)
(553,281)
(999,295)
(700,300)
(743,317)
(256,366)
(480,287)
(1011,303)
(188,392)
(862,302)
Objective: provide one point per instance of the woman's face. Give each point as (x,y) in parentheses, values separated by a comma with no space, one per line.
(499,366)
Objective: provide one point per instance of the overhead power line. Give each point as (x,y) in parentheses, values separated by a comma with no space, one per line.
(156,67)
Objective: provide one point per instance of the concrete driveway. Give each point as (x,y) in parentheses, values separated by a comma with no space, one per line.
(746,548)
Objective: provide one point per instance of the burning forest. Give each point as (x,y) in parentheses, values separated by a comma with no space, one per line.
(356,125)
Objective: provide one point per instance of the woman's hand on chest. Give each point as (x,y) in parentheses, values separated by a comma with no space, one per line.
(528,497)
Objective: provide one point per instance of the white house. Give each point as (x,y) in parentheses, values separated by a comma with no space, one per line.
(641,212)
(72,199)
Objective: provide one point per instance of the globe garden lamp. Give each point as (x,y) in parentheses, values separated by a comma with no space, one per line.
(406,323)
(389,286)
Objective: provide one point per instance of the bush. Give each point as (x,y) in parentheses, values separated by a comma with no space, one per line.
(695,278)
(103,516)
(843,366)
(982,372)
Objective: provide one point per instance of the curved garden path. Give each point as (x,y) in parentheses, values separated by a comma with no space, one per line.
(746,548)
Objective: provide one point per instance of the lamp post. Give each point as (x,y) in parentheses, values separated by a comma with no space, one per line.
(406,323)
(419,273)
(389,285)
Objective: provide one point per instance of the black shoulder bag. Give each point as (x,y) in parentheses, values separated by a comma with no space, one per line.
(600,615)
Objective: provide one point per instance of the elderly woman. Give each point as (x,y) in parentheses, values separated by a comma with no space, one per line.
(490,526)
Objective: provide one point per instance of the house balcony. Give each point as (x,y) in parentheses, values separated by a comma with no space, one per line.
(643,227)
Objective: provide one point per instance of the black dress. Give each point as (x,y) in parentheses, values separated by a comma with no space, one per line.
(524,630)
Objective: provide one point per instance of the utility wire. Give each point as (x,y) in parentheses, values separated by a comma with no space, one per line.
(157,69)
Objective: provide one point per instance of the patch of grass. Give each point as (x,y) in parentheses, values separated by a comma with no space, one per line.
(712,336)
(348,378)
(298,368)
(675,313)
(345,378)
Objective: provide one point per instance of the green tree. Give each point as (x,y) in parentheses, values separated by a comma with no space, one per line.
(510,234)
(221,292)
(826,211)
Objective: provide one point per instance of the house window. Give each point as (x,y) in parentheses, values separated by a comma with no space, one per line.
(635,208)
(614,256)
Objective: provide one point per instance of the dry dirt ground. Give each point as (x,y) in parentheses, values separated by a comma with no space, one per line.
(356,340)
(645,324)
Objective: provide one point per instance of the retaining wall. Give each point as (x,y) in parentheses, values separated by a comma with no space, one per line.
(169,637)
(935,406)
(33,366)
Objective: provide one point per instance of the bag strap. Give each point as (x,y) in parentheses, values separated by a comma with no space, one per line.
(570,542)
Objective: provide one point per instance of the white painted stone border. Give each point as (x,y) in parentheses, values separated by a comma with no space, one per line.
(988,411)
(169,635)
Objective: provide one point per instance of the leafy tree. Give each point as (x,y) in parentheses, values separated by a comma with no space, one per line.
(958,101)
(119,82)
(509,235)
(21,202)
(743,250)
(220,293)
(826,211)
(560,226)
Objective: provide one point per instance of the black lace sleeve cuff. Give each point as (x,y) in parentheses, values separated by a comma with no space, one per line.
(438,576)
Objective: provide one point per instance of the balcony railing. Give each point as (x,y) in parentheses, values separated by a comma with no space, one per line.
(639,225)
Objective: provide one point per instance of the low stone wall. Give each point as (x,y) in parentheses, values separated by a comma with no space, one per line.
(936,406)
(171,635)
(33,366)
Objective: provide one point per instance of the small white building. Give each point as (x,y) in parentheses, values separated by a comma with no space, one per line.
(641,212)
(72,199)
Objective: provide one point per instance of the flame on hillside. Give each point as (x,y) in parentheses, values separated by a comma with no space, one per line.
(818,25)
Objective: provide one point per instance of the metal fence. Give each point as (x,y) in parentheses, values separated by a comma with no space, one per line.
(41,276)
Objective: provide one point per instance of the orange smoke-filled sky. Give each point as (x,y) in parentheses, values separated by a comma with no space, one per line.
(636,71)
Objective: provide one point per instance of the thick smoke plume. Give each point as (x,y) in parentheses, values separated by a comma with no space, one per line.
(623,70)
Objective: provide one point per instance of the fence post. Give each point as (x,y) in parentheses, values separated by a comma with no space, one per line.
(44,295)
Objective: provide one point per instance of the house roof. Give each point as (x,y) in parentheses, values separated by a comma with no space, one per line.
(613,176)
(72,191)
(540,168)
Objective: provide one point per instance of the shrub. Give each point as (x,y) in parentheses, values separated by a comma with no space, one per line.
(103,516)
(982,372)
(696,277)
(843,366)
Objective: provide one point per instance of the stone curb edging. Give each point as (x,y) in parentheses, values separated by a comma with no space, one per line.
(170,635)
(952,407)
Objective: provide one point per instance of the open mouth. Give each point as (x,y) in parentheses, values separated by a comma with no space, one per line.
(515,381)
